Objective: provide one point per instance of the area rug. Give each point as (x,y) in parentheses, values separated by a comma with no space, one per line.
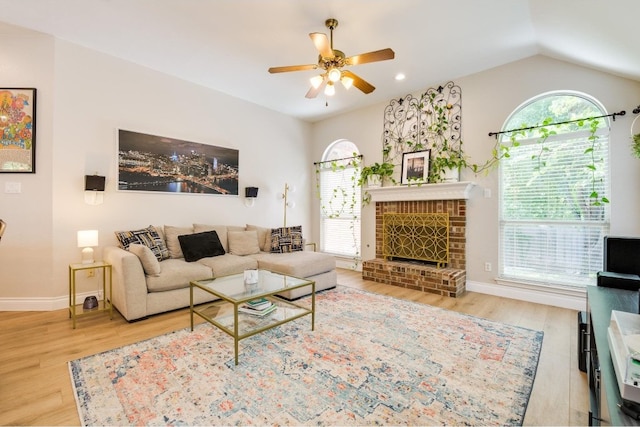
(372,359)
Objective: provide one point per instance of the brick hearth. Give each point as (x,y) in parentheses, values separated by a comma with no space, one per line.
(448,281)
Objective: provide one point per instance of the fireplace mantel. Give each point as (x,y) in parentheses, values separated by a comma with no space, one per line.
(443,191)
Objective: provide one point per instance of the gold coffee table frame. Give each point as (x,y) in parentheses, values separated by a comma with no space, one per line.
(233,292)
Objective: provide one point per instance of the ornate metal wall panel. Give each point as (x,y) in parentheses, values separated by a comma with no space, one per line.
(432,121)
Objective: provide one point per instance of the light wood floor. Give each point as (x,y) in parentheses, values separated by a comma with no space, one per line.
(35,388)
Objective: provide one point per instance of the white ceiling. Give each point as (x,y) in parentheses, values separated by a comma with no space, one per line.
(228,45)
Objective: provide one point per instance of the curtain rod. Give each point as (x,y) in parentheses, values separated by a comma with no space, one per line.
(337,160)
(612,115)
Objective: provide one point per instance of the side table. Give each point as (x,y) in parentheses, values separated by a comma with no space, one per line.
(104,304)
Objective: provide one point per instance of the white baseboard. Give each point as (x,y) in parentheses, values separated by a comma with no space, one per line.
(557,297)
(549,296)
(42,304)
(348,264)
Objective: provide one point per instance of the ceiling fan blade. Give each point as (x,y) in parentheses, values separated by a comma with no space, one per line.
(378,55)
(313,92)
(321,41)
(358,82)
(293,68)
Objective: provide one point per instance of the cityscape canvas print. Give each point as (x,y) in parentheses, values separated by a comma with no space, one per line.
(155,163)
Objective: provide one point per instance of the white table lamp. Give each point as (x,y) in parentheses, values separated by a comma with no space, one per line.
(87,239)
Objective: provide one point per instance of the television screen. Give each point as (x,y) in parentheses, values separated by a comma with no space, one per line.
(622,255)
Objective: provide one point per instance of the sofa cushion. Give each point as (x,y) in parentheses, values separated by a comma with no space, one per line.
(243,242)
(264,236)
(286,239)
(298,264)
(176,274)
(227,264)
(150,263)
(148,237)
(171,234)
(200,245)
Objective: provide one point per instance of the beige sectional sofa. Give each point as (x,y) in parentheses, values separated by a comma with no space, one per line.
(151,274)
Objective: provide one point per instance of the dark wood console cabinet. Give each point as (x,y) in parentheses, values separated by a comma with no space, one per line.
(604,392)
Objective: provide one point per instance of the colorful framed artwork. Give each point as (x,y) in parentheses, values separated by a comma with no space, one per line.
(415,167)
(17,130)
(162,164)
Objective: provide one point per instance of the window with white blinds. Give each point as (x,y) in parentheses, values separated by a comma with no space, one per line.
(551,231)
(340,201)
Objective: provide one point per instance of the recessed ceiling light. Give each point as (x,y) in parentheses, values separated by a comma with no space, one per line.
(400,76)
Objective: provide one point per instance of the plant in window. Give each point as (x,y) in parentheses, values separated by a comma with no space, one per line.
(543,130)
(635,146)
(594,124)
(342,200)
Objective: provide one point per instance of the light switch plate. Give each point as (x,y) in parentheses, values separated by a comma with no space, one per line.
(13,187)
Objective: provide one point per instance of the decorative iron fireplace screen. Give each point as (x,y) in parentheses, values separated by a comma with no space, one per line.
(419,236)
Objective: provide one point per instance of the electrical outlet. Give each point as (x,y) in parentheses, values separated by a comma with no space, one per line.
(91,272)
(487,266)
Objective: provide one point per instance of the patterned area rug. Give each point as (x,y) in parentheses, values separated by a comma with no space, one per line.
(371,360)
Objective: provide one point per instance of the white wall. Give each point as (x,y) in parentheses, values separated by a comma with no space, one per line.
(26,248)
(487,100)
(83,97)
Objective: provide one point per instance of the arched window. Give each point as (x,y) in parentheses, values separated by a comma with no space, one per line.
(553,188)
(340,200)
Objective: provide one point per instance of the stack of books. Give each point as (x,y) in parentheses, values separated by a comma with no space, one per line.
(258,307)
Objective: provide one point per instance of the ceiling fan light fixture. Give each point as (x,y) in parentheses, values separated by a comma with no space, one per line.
(316,81)
(331,63)
(347,82)
(330,89)
(334,74)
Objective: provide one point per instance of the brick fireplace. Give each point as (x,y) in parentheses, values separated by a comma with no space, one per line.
(450,198)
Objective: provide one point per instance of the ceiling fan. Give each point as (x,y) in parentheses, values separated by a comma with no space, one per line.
(332,61)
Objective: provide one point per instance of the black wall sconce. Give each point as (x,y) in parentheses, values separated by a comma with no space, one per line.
(94,189)
(250,194)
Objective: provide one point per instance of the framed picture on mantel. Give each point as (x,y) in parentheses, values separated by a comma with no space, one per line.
(17,130)
(415,167)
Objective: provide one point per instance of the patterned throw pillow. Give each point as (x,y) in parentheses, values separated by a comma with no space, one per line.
(286,239)
(148,237)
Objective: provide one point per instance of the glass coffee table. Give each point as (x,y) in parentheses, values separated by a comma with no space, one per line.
(234,294)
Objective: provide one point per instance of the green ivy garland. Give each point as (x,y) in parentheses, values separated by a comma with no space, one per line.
(341,201)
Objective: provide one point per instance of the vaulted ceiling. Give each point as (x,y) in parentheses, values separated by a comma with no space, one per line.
(228,45)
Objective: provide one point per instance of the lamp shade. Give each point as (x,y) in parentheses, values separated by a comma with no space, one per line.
(316,81)
(87,238)
(251,191)
(347,82)
(94,183)
(334,74)
(330,89)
